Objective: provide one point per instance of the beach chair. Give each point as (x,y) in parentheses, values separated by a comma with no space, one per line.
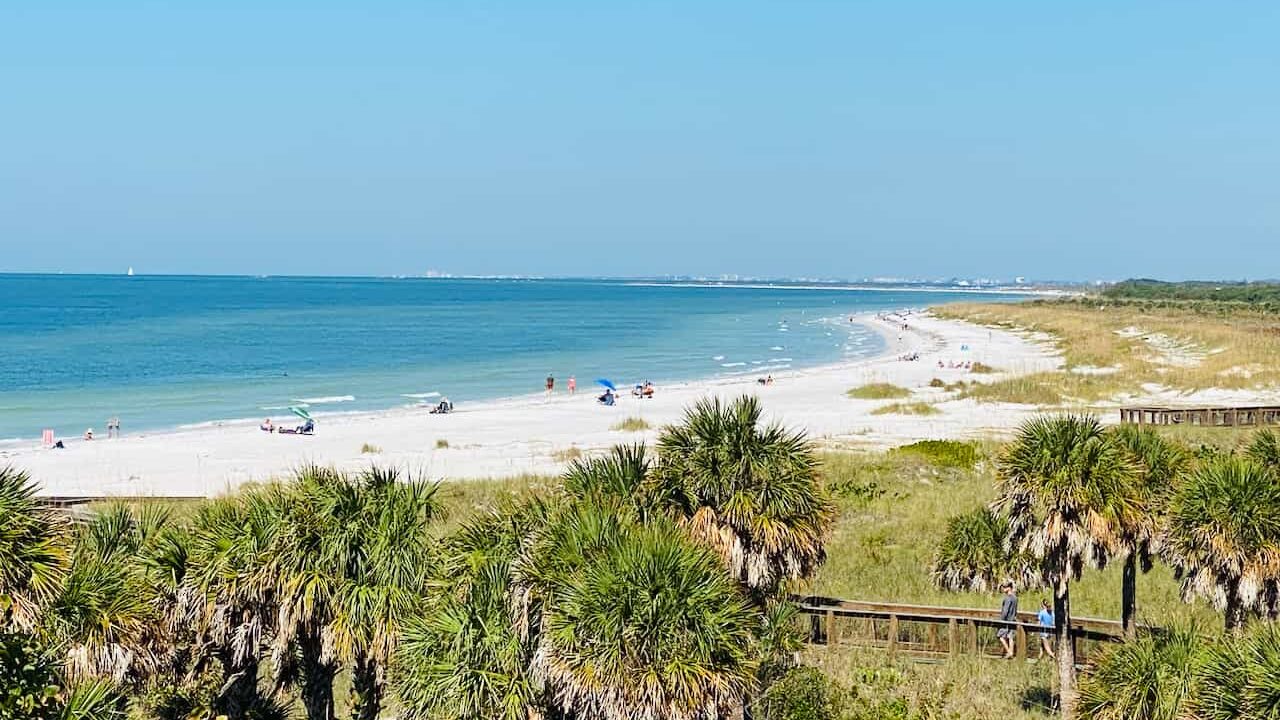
(46,438)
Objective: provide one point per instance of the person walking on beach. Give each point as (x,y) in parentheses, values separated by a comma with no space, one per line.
(1008,613)
(551,384)
(1045,616)
(573,385)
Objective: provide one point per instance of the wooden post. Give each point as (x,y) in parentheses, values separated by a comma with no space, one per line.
(1021,642)
(973,637)
(893,635)
(831,629)
(953,637)
(932,637)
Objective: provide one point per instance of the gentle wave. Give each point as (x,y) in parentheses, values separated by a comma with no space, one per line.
(777,347)
(421,396)
(732,364)
(718,357)
(327,400)
(778,360)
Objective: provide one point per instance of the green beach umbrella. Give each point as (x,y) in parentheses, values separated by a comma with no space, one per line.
(301,412)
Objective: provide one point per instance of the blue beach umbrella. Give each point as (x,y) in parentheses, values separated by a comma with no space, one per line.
(607,383)
(300,412)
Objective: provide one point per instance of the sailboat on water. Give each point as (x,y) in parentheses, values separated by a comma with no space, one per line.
(130,273)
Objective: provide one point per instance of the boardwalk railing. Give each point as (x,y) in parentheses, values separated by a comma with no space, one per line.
(930,631)
(1243,415)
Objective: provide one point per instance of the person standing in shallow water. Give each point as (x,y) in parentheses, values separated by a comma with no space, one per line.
(551,384)
(1008,613)
(573,385)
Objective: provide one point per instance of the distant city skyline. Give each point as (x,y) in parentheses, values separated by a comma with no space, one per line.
(848,140)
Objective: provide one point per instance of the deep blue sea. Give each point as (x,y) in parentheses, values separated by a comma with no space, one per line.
(165,351)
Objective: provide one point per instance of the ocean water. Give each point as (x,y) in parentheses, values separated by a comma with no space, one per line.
(166,351)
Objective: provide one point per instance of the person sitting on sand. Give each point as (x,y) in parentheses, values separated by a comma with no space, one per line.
(444,407)
(607,398)
(647,390)
(88,434)
(266,426)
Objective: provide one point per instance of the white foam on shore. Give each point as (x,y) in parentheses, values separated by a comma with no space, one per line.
(327,400)
(421,396)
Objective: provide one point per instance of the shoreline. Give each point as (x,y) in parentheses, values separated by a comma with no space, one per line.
(531,434)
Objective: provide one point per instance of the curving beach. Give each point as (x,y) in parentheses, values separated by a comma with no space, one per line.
(534,434)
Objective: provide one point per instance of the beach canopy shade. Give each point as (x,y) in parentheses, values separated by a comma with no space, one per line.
(301,412)
(607,383)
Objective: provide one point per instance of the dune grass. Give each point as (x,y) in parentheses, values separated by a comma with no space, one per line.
(573,452)
(369,449)
(1109,350)
(912,408)
(631,424)
(442,444)
(878,391)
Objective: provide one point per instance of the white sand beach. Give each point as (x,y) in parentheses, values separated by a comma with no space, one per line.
(530,434)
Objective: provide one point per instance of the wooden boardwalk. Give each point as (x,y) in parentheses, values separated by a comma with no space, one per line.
(937,632)
(1239,416)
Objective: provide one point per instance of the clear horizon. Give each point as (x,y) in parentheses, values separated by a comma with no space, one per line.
(569,139)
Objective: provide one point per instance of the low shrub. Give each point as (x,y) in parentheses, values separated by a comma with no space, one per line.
(943,453)
(878,391)
(369,449)
(442,444)
(916,408)
(803,693)
(631,424)
(573,452)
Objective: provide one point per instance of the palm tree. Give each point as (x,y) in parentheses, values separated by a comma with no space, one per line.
(231,589)
(1154,676)
(383,558)
(1161,463)
(1224,536)
(749,492)
(974,555)
(34,554)
(107,611)
(1067,488)
(1264,449)
(622,473)
(1239,676)
(633,620)
(461,658)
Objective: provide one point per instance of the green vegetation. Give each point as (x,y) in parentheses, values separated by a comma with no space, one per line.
(442,444)
(370,449)
(334,593)
(911,408)
(1187,673)
(982,368)
(878,391)
(631,424)
(355,593)
(1256,294)
(943,453)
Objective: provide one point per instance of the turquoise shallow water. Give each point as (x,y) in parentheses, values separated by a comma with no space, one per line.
(166,351)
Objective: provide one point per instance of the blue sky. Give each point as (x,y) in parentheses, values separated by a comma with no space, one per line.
(846,139)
